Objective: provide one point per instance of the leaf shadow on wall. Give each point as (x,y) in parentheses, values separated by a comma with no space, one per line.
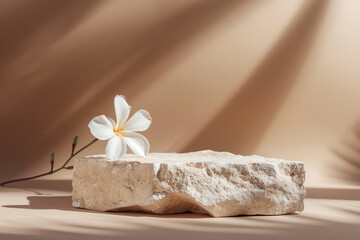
(64,90)
(346,163)
(244,120)
(22,21)
(154,50)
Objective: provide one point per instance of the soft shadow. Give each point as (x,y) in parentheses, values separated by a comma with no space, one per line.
(147,232)
(23,20)
(246,117)
(65,203)
(347,156)
(74,86)
(46,202)
(54,185)
(155,50)
(307,227)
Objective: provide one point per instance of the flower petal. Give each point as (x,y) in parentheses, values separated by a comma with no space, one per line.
(102,127)
(115,148)
(140,121)
(122,109)
(137,143)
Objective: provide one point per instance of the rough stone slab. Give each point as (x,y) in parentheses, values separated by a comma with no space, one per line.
(214,183)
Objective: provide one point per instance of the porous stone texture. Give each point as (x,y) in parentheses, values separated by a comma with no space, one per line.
(215,183)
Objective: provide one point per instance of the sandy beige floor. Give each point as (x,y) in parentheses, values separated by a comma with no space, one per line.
(41,209)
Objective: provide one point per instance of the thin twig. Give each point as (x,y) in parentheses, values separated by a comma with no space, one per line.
(73,154)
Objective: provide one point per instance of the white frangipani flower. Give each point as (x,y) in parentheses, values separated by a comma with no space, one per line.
(122,132)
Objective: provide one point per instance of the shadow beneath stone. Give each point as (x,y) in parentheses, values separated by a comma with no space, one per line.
(36,186)
(46,202)
(176,215)
(64,203)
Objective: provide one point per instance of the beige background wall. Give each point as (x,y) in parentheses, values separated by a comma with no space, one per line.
(276,78)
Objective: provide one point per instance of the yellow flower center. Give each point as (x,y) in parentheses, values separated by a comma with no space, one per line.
(119,131)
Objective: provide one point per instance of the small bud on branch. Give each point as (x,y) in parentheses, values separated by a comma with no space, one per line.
(52,159)
(74,144)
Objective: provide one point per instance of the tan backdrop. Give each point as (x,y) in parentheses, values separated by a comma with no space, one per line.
(276,78)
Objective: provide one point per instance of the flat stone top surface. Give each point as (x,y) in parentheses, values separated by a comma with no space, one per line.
(200,156)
